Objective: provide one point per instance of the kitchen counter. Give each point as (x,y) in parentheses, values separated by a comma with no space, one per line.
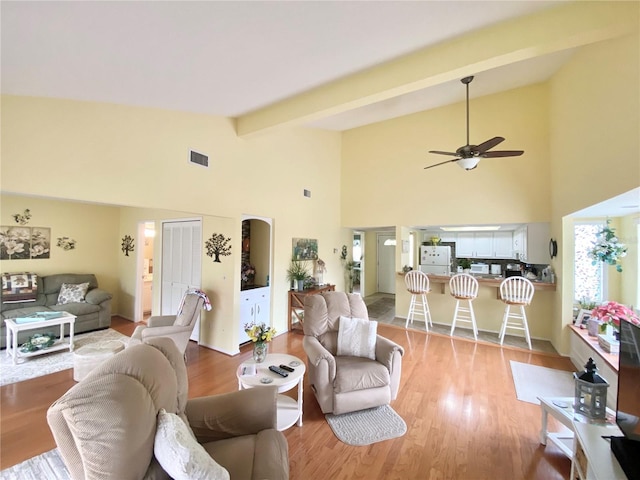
(488,307)
(486,280)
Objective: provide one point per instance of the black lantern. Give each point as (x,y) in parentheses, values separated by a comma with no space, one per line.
(591,392)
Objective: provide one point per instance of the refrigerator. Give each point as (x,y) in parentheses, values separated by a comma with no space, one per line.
(435,260)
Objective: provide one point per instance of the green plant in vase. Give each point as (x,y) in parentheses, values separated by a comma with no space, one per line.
(297,273)
(465,263)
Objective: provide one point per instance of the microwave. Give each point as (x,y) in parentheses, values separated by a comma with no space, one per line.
(481,268)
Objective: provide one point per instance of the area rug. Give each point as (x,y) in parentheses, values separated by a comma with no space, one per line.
(45,364)
(532,381)
(48,466)
(381,307)
(367,426)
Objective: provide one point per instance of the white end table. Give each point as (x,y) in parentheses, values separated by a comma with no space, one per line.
(289,410)
(14,328)
(561,408)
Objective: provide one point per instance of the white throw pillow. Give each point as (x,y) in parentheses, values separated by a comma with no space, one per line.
(357,337)
(180,455)
(72,293)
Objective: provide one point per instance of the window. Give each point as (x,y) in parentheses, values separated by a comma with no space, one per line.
(588,279)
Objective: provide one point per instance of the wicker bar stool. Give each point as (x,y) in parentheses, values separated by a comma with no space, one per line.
(464,287)
(516,291)
(417,283)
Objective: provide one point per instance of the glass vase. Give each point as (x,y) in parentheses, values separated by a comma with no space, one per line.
(259,352)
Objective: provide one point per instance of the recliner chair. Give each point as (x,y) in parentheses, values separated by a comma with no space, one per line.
(105,426)
(344,384)
(176,327)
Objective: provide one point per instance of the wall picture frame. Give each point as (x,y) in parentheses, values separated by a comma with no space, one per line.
(305,249)
(583,317)
(24,243)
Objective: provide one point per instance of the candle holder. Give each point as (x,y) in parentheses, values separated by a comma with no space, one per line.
(590,392)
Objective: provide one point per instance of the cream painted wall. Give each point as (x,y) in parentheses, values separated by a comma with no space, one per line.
(398,191)
(594,125)
(630,276)
(94,227)
(137,157)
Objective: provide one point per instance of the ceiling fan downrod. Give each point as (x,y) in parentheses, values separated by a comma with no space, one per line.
(467,81)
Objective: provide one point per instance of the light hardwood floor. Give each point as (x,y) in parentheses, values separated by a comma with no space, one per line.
(457,398)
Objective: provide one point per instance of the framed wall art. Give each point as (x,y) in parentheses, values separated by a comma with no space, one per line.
(305,249)
(24,243)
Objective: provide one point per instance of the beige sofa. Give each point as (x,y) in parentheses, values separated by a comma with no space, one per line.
(344,384)
(105,425)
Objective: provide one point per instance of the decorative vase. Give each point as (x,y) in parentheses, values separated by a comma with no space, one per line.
(300,285)
(259,352)
(593,327)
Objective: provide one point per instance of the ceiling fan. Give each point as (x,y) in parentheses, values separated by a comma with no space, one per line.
(468,156)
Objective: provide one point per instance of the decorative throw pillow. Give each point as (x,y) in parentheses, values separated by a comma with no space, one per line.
(357,337)
(180,455)
(72,293)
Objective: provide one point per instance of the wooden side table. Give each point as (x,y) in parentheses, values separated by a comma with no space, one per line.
(296,303)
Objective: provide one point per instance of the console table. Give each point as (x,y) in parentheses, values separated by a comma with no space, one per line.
(296,303)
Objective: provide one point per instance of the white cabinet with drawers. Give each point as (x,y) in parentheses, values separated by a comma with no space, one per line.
(254,308)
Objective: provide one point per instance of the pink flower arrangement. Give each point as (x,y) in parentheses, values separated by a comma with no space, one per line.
(612,313)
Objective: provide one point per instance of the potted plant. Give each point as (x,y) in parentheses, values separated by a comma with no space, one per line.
(297,273)
(465,263)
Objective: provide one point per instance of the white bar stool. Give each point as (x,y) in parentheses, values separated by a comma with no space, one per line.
(464,287)
(516,291)
(417,283)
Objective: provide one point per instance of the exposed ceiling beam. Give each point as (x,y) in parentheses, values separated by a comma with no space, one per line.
(568,26)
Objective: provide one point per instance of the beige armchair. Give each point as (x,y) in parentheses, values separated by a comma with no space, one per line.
(344,384)
(176,327)
(105,426)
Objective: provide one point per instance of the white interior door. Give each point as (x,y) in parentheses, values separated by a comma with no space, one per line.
(181,264)
(386,263)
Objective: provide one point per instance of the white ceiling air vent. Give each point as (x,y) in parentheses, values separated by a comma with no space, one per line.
(199,158)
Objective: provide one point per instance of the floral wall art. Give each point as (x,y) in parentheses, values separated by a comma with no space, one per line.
(23,243)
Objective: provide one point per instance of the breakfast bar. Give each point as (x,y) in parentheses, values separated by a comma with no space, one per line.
(488,308)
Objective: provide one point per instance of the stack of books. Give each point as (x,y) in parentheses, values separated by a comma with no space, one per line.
(608,343)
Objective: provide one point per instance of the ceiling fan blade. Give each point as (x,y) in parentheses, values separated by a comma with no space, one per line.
(442,163)
(489,144)
(502,153)
(453,154)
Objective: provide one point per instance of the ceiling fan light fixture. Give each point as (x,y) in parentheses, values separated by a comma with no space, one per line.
(468,163)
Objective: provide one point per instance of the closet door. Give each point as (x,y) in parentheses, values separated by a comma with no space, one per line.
(181,264)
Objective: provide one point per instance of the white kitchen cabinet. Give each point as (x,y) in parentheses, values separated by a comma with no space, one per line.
(503,245)
(465,245)
(531,243)
(474,245)
(254,308)
(483,245)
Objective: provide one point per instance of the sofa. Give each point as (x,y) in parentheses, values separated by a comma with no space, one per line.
(110,424)
(94,313)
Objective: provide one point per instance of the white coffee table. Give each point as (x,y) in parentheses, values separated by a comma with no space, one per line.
(14,328)
(561,408)
(289,410)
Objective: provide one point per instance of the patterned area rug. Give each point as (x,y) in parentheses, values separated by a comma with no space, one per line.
(381,307)
(532,381)
(48,466)
(45,364)
(367,426)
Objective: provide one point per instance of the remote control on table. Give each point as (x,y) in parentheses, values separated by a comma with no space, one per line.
(278,370)
(287,368)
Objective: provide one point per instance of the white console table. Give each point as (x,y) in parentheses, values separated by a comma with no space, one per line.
(593,458)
